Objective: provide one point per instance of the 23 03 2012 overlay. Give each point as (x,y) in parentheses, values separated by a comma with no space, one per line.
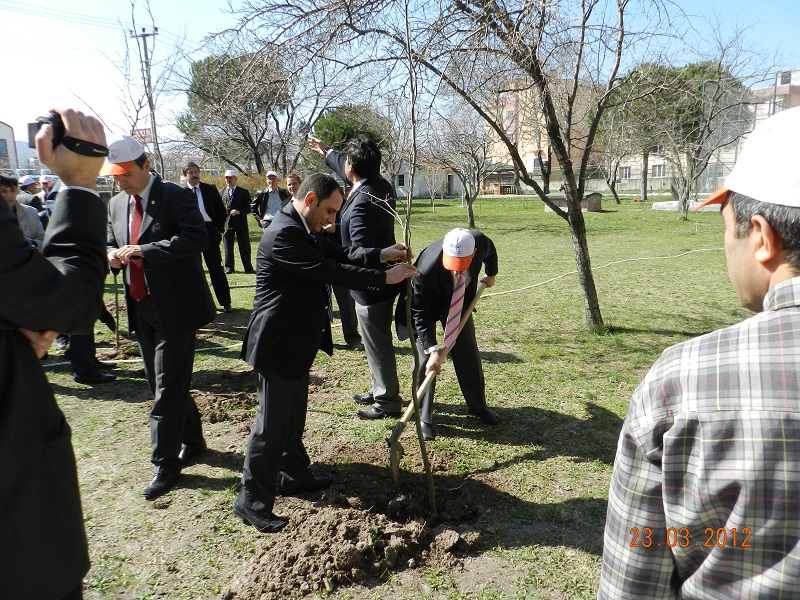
(720,537)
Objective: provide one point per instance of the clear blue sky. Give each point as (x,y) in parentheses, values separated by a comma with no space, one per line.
(57,51)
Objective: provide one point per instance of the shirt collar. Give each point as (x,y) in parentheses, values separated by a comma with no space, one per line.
(784,294)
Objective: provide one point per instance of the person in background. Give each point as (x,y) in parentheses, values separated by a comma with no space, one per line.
(26,215)
(269,201)
(43,549)
(28,193)
(214,214)
(237,205)
(704,494)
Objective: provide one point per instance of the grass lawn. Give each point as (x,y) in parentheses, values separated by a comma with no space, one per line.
(560,391)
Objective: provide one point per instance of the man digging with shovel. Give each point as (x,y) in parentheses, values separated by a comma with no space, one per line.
(449,272)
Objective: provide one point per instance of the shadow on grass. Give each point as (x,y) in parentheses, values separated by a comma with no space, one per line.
(552,433)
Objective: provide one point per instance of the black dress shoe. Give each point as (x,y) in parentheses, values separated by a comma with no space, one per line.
(318,482)
(373,412)
(485,415)
(228,271)
(105,365)
(365,399)
(94,377)
(357,346)
(227,308)
(161,484)
(428,431)
(189,453)
(250,271)
(270,524)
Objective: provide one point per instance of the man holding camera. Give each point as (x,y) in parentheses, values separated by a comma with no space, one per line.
(43,548)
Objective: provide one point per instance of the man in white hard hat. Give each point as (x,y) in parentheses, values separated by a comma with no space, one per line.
(156,233)
(705,493)
(449,272)
(269,201)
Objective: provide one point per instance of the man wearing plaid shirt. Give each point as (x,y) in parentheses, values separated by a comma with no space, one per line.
(705,495)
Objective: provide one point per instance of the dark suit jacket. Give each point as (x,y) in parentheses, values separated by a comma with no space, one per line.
(240,202)
(365,224)
(214,206)
(259,204)
(289,322)
(172,237)
(433,289)
(43,550)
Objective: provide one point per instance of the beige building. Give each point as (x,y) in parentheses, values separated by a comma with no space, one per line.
(8,147)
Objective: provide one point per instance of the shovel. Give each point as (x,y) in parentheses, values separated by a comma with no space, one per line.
(393,441)
(116,308)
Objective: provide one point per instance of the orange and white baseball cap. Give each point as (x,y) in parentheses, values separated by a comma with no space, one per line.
(767,168)
(121,155)
(457,249)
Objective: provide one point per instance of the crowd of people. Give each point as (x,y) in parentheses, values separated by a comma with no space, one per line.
(708,443)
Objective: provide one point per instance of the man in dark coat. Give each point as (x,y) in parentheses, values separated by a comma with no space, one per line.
(214,214)
(43,549)
(237,206)
(156,231)
(461,253)
(289,324)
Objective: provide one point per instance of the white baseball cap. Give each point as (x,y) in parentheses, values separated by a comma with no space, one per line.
(766,169)
(271,173)
(121,155)
(230,173)
(47,178)
(457,249)
(26,180)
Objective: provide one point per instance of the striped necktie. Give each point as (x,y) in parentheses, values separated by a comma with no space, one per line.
(454,315)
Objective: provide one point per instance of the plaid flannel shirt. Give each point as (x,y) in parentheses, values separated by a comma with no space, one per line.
(705,495)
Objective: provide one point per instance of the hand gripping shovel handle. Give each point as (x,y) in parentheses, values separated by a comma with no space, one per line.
(432,375)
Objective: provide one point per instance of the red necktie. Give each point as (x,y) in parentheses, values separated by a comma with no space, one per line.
(135,267)
(454,315)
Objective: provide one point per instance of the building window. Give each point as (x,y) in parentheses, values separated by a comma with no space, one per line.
(401,180)
(786,77)
(658,171)
(624,173)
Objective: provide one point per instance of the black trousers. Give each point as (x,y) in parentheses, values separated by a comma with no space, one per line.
(276,456)
(237,230)
(213,258)
(469,371)
(168,363)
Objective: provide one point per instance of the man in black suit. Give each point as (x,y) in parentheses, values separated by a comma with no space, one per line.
(460,253)
(237,205)
(289,323)
(367,221)
(269,201)
(214,214)
(43,548)
(156,232)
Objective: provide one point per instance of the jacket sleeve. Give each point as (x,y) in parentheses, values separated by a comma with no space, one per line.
(60,288)
(219,212)
(192,234)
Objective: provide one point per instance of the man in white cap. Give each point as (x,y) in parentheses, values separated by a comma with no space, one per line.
(28,188)
(449,271)
(705,493)
(237,203)
(269,201)
(156,232)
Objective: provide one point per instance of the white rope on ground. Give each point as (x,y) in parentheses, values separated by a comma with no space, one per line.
(616,262)
(522,289)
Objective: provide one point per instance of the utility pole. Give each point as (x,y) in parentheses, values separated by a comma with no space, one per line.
(148,88)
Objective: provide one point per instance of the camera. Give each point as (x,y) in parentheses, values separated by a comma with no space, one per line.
(53,119)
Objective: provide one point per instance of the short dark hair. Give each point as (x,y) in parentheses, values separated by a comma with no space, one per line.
(8,181)
(783,219)
(190,165)
(321,184)
(365,156)
(294,176)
